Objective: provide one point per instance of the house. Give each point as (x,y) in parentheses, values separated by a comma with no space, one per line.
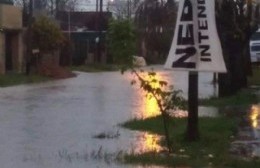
(11,38)
(75,21)
(86,32)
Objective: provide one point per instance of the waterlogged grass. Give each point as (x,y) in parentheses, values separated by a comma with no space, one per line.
(95,68)
(185,161)
(255,79)
(210,150)
(11,79)
(244,97)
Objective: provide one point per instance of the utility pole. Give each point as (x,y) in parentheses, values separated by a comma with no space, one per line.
(129,8)
(29,39)
(69,23)
(101,6)
(97,1)
(31,8)
(99,53)
(192,133)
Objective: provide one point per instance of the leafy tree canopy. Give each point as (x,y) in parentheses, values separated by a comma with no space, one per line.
(47,36)
(121,40)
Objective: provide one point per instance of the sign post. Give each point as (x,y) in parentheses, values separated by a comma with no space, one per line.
(192,133)
(195,48)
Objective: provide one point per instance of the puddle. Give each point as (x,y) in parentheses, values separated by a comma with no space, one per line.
(146,142)
(255,118)
(247,140)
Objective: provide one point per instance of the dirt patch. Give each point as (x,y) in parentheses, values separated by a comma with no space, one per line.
(55,71)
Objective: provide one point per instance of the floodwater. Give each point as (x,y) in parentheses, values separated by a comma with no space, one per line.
(53,124)
(255,123)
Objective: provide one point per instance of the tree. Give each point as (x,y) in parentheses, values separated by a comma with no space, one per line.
(123,8)
(236,22)
(51,6)
(155,21)
(62,5)
(47,36)
(167,99)
(121,40)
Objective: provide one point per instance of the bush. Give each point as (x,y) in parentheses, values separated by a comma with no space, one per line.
(121,40)
(47,36)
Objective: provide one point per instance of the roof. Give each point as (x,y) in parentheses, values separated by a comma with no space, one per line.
(83,20)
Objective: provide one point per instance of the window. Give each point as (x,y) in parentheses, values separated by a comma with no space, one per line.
(255,48)
(255,36)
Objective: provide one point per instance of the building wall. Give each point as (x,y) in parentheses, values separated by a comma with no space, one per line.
(10,17)
(11,25)
(17,52)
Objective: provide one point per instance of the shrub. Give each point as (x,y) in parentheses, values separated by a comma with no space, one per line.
(121,40)
(47,35)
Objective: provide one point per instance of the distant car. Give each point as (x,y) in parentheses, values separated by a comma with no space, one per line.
(255,47)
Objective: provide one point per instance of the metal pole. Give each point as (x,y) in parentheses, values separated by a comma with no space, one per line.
(100,30)
(69,28)
(129,3)
(31,8)
(97,5)
(101,6)
(192,133)
(192,126)
(29,39)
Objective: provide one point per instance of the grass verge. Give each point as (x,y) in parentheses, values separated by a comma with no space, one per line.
(210,150)
(11,79)
(255,79)
(242,98)
(95,68)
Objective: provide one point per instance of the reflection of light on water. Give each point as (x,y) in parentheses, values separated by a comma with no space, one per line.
(150,105)
(254,116)
(147,142)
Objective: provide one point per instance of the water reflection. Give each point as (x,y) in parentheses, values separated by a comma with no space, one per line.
(151,107)
(147,142)
(255,116)
(148,106)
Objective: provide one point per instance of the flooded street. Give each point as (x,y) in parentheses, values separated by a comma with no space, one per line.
(53,124)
